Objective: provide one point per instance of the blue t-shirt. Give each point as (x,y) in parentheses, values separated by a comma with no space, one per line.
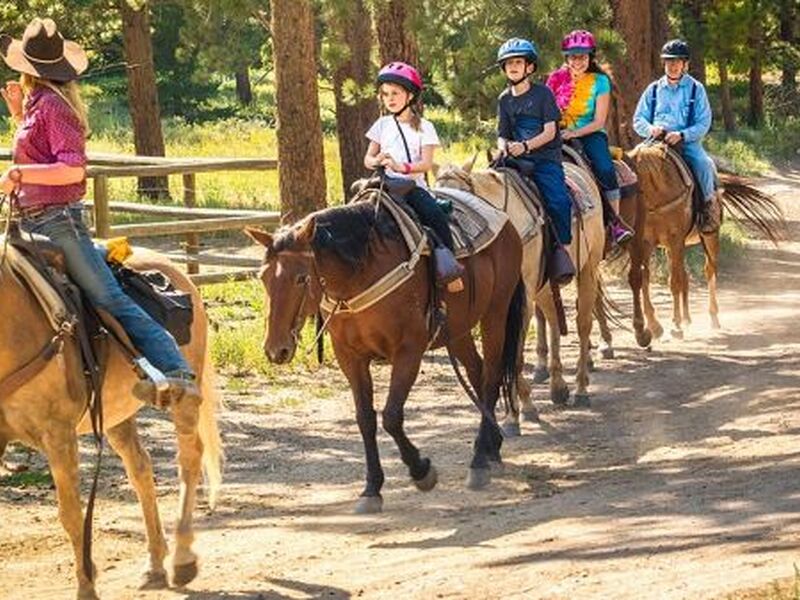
(523,117)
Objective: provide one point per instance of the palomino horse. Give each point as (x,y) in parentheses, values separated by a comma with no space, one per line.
(49,411)
(662,216)
(339,253)
(588,230)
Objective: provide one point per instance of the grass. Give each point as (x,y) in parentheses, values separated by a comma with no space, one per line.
(28,479)
(783,589)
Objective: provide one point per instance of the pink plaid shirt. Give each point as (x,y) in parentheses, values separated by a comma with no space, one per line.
(49,133)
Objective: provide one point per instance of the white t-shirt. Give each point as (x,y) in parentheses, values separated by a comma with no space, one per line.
(385,133)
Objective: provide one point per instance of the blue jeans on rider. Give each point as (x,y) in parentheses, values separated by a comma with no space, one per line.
(595,146)
(702,166)
(548,175)
(428,211)
(88,269)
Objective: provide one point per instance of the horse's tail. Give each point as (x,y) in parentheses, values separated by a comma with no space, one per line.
(208,429)
(752,208)
(514,337)
(605,307)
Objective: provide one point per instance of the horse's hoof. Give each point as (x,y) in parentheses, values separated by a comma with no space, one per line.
(427,483)
(540,375)
(657,331)
(511,429)
(370,505)
(560,396)
(477,479)
(676,334)
(88,594)
(607,352)
(582,401)
(184,574)
(154,580)
(644,338)
(715,322)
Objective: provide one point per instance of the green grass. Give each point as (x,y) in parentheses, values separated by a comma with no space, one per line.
(28,479)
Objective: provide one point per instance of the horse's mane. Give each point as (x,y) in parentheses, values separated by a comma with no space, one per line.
(345,231)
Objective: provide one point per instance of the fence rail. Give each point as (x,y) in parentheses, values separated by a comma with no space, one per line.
(192,220)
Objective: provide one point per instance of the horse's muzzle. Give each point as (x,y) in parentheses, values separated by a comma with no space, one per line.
(279,354)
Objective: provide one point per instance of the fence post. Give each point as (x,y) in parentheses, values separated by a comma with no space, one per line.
(102,224)
(192,239)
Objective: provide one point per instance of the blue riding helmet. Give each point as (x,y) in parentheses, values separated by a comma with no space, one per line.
(517,47)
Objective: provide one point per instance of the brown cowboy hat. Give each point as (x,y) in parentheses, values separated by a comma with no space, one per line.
(44,53)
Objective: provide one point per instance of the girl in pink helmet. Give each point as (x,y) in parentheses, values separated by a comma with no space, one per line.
(403,143)
(583,93)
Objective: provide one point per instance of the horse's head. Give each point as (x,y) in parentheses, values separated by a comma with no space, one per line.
(455,176)
(292,286)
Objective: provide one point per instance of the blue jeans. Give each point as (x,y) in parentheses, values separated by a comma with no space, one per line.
(595,145)
(88,269)
(702,166)
(548,175)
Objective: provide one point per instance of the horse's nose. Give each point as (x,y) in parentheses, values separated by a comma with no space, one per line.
(280,355)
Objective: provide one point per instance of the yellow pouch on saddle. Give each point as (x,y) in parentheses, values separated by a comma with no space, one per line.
(118,250)
(616,152)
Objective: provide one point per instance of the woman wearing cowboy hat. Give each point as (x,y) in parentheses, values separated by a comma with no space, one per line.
(48,182)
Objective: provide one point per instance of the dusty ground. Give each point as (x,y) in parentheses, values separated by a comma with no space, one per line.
(680,482)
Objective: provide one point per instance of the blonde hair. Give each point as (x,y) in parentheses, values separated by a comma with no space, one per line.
(68,91)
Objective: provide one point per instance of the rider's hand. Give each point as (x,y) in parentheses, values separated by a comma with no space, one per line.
(389,162)
(673,137)
(7,185)
(516,148)
(656,132)
(12,94)
(567,134)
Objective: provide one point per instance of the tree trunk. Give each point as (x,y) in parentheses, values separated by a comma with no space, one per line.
(244,92)
(301,159)
(755,116)
(142,92)
(728,118)
(643,26)
(788,34)
(396,38)
(356,107)
(697,66)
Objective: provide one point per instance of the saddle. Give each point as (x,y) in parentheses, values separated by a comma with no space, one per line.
(626,177)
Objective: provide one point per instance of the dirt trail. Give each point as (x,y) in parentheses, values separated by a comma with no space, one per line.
(680,482)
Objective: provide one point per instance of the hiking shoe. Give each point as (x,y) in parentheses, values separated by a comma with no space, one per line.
(448,269)
(711,218)
(560,268)
(620,234)
(180,386)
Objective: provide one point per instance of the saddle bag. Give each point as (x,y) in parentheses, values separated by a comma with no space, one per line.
(154,292)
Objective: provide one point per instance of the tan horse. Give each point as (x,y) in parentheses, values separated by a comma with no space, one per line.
(48,413)
(491,185)
(662,215)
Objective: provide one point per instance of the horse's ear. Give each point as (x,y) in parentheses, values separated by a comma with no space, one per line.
(435,167)
(259,236)
(470,164)
(305,231)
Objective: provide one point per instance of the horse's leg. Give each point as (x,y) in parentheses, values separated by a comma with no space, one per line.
(559,391)
(405,368)
(676,283)
(520,400)
(635,276)
(587,292)
(607,347)
(541,374)
(186,415)
(125,440)
(61,447)
(356,369)
(649,311)
(711,250)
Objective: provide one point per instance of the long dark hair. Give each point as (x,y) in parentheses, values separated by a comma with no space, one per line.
(594,67)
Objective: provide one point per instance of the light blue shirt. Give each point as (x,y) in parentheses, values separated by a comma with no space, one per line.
(672,109)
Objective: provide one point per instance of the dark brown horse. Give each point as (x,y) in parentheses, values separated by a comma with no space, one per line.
(339,253)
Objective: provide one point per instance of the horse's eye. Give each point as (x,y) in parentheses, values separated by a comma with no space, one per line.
(301,279)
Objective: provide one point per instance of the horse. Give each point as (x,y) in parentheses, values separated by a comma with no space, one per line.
(662,215)
(49,411)
(588,230)
(333,256)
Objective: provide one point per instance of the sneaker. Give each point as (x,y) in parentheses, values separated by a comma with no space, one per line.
(180,387)
(620,234)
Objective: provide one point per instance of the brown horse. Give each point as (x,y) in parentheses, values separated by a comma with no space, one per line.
(49,411)
(661,214)
(340,253)
(492,186)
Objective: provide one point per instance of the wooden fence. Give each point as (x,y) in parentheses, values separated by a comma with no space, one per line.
(192,221)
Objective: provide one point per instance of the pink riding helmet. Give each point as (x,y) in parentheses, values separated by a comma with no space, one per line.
(403,75)
(579,41)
